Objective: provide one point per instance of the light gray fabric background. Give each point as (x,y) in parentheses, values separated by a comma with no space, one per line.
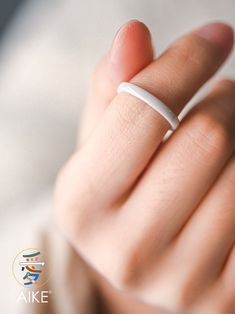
(46,60)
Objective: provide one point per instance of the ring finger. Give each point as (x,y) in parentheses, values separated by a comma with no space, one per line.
(208,132)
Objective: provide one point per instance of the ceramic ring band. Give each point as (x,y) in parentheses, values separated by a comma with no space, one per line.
(152,101)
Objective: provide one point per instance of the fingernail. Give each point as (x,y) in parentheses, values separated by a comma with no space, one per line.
(118,43)
(219,34)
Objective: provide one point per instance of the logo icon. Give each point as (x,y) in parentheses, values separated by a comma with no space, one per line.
(30,268)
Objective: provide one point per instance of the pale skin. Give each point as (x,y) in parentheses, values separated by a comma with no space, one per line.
(156,220)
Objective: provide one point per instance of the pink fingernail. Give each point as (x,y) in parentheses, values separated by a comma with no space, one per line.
(118,43)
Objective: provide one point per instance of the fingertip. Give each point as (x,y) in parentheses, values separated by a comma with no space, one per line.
(134,28)
(219,34)
(131,49)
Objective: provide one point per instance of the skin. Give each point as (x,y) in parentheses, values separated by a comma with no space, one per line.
(156,221)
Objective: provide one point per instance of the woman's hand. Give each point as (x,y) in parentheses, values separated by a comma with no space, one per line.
(157,220)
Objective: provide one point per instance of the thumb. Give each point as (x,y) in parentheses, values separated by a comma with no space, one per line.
(131,51)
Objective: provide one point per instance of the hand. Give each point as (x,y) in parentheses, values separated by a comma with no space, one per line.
(157,220)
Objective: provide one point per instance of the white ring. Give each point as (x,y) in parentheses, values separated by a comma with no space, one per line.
(152,101)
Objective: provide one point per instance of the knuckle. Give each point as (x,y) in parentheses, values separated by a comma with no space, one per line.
(209,133)
(124,277)
(127,112)
(229,175)
(187,291)
(188,52)
(132,111)
(185,295)
(114,270)
(72,207)
(225,85)
(182,292)
(126,269)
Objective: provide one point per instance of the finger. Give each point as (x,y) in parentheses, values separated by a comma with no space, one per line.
(227,281)
(183,171)
(210,231)
(131,51)
(221,295)
(130,131)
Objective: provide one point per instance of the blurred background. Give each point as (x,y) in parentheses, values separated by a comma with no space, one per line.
(48,49)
